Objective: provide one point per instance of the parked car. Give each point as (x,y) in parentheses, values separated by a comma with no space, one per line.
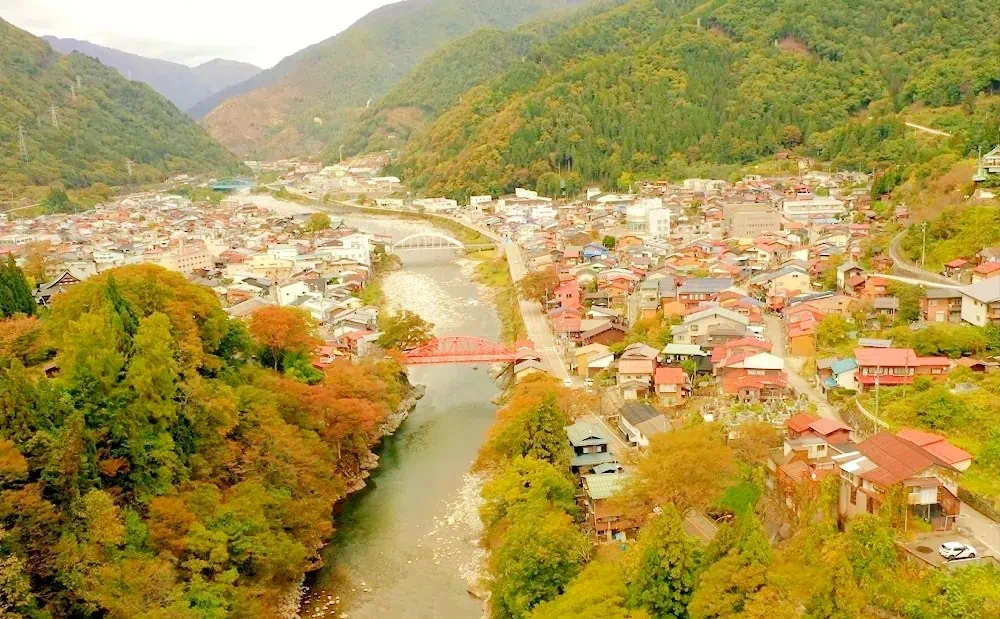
(567,383)
(952,551)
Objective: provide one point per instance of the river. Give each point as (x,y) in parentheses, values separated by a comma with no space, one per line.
(407,545)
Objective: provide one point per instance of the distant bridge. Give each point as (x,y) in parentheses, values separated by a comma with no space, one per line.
(448,350)
(232,184)
(435,240)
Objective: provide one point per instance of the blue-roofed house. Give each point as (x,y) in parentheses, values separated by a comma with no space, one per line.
(594,251)
(838,373)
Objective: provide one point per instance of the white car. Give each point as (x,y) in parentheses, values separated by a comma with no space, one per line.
(567,383)
(956,550)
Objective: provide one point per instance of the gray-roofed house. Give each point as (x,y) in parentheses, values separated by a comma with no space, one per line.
(640,422)
(981,302)
(590,443)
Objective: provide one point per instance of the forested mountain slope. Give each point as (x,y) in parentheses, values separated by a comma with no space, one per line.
(655,86)
(321,86)
(438,83)
(82,122)
(183,85)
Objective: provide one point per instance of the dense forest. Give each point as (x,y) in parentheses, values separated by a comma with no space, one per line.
(438,83)
(542,565)
(655,87)
(324,85)
(158,459)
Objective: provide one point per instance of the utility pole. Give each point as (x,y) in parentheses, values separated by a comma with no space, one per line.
(923,249)
(22,146)
(341,153)
(878,373)
(52,112)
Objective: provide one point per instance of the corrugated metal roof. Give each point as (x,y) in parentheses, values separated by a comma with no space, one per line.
(604,486)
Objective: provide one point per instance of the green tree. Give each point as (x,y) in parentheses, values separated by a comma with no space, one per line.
(404,330)
(318,222)
(535,432)
(15,294)
(609,241)
(728,584)
(526,482)
(537,558)
(661,568)
(57,201)
(832,331)
(598,592)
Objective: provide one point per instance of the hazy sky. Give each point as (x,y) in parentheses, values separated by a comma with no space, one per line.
(192,31)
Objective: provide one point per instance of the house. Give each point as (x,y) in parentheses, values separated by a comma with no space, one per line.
(591,359)
(640,422)
(607,332)
(831,431)
(802,338)
(675,354)
(885,462)
(590,443)
(895,366)
(834,373)
(941,305)
(696,291)
(753,377)
(44,292)
(981,302)
(986,270)
(672,386)
(957,267)
(938,446)
(846,273)
(635,377)
(605,520)
(528,367)
(698,323)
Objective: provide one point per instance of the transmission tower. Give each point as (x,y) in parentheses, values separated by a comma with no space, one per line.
(72,91)
(55,119)
(22,145)
(128,166)
(78,83)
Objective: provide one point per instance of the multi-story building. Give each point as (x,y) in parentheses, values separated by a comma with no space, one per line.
(748,221)
(941,305)
(981,302)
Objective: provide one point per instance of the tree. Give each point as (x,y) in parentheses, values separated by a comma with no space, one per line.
(687,468)
(525,482)
(909,301)
(609,241)
(660,570)
(598,592)
(15,294)
(57,201)
(537,558)
(404,330)
(537,285)
(532,432)
(318,222)
(791,136)
(36,261)
(281,330)
(728,584)
(832,331)
(829,277)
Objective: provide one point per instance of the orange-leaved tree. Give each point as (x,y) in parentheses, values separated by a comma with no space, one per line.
(283,330)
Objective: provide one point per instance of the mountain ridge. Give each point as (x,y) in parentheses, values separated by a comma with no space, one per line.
(184,86)
(82,123)
(301,104)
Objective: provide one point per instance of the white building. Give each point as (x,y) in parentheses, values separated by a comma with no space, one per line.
(290,292)
(283,251)
(825,207)
(981,302)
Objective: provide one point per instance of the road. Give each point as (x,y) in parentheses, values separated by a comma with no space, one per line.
(776,335)
(928,130)
(536,323)
(981,527)
(917,275)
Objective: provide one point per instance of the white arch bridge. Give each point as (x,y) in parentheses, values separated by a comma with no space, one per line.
(436,240)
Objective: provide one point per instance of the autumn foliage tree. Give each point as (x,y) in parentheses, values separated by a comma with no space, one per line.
(283,330)
(404,330)
(537,285)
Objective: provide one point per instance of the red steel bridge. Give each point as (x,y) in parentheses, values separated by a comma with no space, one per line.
(447,350)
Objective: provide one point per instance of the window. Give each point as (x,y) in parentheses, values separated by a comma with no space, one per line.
(854,495)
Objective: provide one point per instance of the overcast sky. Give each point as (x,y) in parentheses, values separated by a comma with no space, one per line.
(261,32)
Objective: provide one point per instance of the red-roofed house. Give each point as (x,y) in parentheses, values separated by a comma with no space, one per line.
(895,366)
(938,446)
(885,462)
(955,267)
(672,386)
(986,270)
(805,425)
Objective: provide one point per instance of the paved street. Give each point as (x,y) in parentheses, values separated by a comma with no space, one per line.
(793,365)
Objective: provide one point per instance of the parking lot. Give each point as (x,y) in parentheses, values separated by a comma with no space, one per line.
(925,548)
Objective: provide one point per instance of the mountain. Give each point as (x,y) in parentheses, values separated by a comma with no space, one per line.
(439,82)
(667,87)
(301,103)
(82,122)
(184,86)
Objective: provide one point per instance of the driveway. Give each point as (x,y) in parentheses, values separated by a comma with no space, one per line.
(793,365)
